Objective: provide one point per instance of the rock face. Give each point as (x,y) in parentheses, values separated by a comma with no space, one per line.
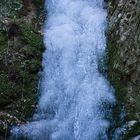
(21,47)
(124,55)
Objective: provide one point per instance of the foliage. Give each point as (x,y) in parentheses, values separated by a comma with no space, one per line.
(19,65)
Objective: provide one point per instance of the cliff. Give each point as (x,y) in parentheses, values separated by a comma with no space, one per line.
(21,47)
(124,58)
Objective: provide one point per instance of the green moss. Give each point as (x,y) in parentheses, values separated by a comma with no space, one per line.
(30,35)
(114,77)
(114,74)
(18,73)
(117,79)
(19,66)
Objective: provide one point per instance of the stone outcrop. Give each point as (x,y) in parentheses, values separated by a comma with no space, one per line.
(21,47)
(124,56)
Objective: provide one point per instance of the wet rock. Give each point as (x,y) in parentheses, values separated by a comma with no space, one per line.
(21,47)
(124,55)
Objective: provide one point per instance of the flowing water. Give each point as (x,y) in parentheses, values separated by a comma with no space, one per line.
(74,94)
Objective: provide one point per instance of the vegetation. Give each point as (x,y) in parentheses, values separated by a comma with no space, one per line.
(21,47)
(123,62)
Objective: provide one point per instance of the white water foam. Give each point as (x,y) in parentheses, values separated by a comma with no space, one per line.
(73,90)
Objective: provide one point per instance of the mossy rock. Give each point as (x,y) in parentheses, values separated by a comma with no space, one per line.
(18,73)
(3,42)
(39,3)
(19,66)
(10,8)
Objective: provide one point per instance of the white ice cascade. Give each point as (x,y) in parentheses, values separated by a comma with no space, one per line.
(74,94)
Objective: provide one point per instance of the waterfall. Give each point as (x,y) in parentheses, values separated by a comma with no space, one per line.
(74,98)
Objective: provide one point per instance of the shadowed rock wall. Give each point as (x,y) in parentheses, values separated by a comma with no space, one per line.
(124,55)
